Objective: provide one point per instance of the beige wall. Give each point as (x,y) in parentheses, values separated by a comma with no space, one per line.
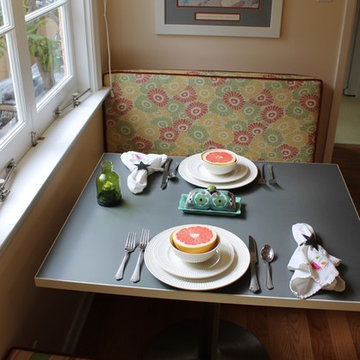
(28,313)
(309,44)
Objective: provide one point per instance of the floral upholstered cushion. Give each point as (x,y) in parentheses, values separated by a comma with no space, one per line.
(260,116)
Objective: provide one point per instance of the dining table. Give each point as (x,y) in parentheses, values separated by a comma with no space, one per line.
(90,246)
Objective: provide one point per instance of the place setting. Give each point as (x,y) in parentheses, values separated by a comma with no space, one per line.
(197,257)
(202,257)
(219,167)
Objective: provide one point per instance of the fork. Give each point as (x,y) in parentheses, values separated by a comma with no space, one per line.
(130,246)
(144,239)
(272,179)
(262,176)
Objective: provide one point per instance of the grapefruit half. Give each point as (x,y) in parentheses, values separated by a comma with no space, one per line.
(194,239)
(219,157)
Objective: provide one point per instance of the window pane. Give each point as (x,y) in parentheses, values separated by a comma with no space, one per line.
(32,5)
(8,114)
(46,46)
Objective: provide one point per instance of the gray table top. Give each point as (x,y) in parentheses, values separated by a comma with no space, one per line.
(90,246)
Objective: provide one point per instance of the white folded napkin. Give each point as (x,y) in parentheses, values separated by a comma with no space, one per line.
(314,269)
(141,165)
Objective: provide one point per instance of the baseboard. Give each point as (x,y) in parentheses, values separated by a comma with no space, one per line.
(77,324)
(343,145)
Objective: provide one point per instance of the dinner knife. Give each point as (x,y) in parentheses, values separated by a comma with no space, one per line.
(254,284)
(164,180)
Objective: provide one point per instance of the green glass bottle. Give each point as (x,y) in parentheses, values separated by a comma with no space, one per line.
(108,185)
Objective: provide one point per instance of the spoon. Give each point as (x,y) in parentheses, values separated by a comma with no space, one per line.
(267,254)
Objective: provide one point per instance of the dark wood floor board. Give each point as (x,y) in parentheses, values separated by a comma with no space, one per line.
(341,337)
(238,315)
(289,334)
(353,319)
(320,335)
(252,318)
(258,323)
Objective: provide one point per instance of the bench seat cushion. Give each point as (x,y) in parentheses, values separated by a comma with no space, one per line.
(260,116)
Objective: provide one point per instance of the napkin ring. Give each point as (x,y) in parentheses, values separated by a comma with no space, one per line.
(142,166)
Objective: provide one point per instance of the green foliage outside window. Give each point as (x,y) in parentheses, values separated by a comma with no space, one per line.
(45,51)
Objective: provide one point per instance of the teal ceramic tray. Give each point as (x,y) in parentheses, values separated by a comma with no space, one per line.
(182,206)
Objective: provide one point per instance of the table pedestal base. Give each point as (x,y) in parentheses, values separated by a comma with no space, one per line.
(181,342)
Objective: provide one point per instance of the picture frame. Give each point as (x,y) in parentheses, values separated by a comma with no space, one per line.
(263,20)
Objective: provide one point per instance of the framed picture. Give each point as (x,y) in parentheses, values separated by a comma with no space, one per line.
(245,18)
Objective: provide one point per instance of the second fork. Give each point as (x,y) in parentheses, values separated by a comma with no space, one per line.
(144,239)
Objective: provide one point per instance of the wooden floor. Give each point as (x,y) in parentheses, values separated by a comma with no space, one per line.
(120,327)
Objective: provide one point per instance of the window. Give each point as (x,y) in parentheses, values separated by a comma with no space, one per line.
(41,42)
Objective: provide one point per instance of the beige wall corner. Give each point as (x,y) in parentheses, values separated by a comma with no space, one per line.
(344,46)
(30,315)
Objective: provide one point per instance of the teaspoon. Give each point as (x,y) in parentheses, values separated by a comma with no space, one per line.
(267,254)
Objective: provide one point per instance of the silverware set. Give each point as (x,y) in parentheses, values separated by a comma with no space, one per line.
(262,177)
(267,254)
(130,245)
(169,174)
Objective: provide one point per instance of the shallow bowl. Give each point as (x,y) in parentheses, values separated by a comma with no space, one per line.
(195,258)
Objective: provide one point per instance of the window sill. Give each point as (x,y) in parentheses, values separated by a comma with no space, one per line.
(39,163)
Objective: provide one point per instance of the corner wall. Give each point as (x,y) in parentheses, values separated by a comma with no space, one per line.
(32,316)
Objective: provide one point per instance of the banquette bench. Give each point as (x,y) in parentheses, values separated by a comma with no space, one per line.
(260,116)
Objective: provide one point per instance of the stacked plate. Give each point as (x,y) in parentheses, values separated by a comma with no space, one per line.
(193,171)
(228,264)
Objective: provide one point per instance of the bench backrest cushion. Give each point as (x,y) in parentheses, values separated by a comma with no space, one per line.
(260,116)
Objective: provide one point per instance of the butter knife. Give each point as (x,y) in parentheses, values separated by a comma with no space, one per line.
(164,180)
(254,284)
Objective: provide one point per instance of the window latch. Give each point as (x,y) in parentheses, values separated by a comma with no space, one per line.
(9,171)
(75,102)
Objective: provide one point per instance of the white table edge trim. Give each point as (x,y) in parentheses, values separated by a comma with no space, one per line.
(199,296)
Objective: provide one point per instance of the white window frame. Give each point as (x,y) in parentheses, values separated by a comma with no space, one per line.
(59,93)
(18,141)
(41,161)
(84,63)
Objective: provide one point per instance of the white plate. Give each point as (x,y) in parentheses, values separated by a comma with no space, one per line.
(237,268)
(198,170)
(169,261)
(248,178)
